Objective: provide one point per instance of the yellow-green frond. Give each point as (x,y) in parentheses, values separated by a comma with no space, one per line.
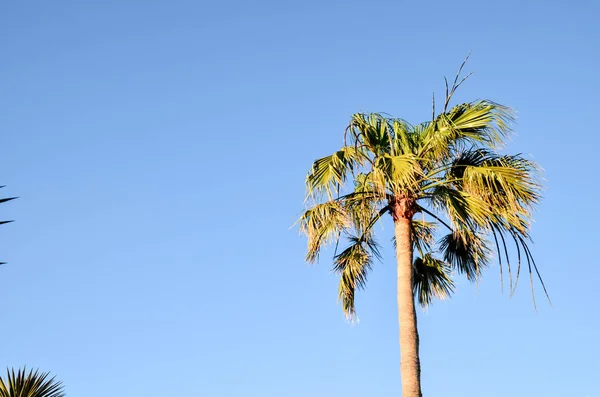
(464,210)
(372,131)
(503,182)
(329,173)
(323,224)
(403,136)
(423,233)
(353,265)
(482,122)
(509,185)
(401,172)
(468,124)
(371,185)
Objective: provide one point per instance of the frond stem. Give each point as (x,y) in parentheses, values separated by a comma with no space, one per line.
(421,208)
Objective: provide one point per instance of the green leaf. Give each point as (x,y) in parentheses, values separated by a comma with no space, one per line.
(329,173)
(323,224)
(401,172)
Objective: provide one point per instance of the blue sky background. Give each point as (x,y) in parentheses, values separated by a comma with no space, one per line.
(159,149)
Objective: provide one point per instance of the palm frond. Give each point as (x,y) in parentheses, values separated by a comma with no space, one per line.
(466,252)
(372,131)
(329,173)
(504,182)
(364,202)
(431,279)
(481,122)
(464,210)
(422,236)
(369,186)
(32,384)
(468,124)
(353,265)
(520,237)
(510,187)
(323,224)
(401,172)
(404,137)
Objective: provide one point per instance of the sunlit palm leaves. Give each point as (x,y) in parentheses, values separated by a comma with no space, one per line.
(475,203)
(29,384)
(322,224)
(329,173)
(353,264)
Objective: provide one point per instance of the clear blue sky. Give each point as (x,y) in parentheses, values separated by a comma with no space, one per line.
(159,150)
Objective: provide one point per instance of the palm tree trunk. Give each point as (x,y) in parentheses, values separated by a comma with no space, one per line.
(410,367)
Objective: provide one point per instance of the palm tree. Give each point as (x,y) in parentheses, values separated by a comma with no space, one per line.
(32,384)
(447,170)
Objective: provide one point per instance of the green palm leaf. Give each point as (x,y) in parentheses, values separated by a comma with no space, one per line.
(401,172)
(323,224)
(477,123)
(371,131)
(329,173)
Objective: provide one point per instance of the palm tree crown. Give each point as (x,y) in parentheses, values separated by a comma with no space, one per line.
(32,384)
(473,200)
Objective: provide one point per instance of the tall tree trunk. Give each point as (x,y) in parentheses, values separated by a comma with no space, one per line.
(410,367)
